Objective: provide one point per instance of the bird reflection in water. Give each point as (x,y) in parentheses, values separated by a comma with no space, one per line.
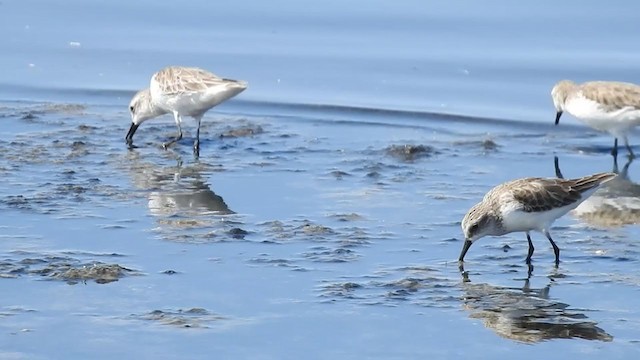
(180,198)
(195,198)
(615,204)
(527,315)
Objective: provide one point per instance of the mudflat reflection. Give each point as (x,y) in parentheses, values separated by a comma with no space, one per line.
(615,204)
(526,314)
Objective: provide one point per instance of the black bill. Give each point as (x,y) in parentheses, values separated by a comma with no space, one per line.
(465,248)
(558,114)
(132,130)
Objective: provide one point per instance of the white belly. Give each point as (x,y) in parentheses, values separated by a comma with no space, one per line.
(617,122)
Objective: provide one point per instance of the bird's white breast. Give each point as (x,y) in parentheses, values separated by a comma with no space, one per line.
(594,114)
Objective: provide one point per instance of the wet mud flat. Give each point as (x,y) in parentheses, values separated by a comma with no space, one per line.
(299,227)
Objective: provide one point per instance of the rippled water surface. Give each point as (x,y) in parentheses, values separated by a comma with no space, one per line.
(322,219)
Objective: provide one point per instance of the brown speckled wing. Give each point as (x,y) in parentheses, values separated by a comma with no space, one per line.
(536,194)
(177,80)
(612,95)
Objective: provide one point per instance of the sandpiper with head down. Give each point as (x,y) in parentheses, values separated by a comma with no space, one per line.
(525,205)
(182,91)
(607,106)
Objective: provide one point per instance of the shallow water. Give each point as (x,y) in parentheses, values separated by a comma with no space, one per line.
(322,219)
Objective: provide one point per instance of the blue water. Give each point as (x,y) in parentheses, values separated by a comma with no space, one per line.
(310,238)
(497,59)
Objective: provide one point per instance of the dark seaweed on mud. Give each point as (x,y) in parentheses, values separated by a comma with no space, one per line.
(189,318)
(62,267)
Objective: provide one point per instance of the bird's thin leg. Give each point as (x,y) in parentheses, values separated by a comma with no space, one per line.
(556,164)
(178,119)
(196,143)
(625,168)
(614,151)
(528,260)
(556,249)
(626,143)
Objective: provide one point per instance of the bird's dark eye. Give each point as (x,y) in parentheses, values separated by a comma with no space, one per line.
(132,109)
(473,228)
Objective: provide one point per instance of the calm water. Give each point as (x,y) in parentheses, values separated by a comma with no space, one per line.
(322,219)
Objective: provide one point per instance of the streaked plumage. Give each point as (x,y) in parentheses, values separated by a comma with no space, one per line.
(182,91)
(525,205)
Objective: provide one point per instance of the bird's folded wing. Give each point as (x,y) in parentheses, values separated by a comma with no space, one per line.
(544,194)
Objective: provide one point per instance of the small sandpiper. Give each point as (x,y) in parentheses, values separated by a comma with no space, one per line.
(525,205)
(182,91)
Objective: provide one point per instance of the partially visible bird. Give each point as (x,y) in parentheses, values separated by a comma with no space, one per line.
(607,106)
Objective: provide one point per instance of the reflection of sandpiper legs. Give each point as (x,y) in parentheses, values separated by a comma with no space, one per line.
(623,173)
(614,151)
(625,168)
(626,144)
(529,272)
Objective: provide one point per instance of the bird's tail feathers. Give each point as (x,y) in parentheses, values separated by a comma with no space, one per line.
(589,182)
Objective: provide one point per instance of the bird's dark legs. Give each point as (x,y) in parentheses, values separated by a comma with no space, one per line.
(614,151)
(179,136)
(625,169)
(531,248)
(626,144)
(556,249)
(556,165)
(196,143)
